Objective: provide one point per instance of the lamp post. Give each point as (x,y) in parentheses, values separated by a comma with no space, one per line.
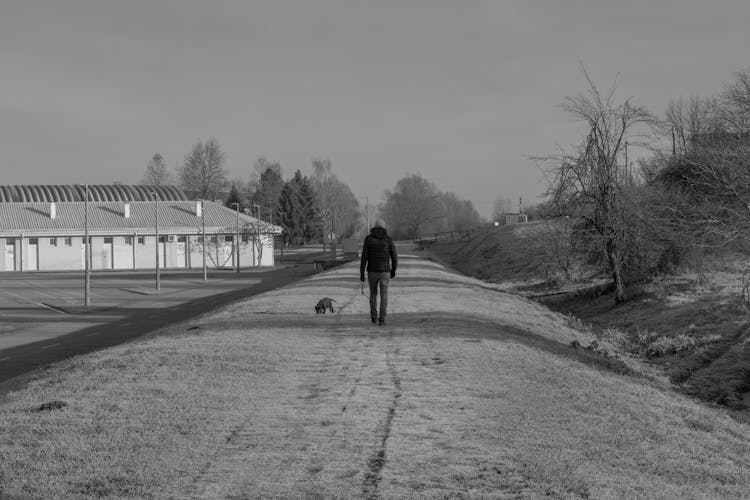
(237,236)
(156,234)
(203,235)
(257,225)
(87,267)
(281,236)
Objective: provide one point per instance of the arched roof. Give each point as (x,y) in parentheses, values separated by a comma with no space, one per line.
(97,192)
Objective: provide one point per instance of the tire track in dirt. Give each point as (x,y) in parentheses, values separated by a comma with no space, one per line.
(377,460)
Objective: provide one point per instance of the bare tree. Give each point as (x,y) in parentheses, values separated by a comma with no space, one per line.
(157,173)
(710,193)
(321,180)
(414,203)
(692,119)
(589,184)
(708,183)
(736,109)
(203,174)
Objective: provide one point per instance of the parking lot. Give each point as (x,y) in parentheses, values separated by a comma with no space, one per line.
(38,306)
(43,305)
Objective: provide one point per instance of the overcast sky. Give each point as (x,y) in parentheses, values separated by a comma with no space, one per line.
(461,91)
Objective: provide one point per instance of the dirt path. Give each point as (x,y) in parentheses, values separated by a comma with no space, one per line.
(338,421)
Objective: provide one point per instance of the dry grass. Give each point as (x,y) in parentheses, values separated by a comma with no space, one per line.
(692,326)
(452,399)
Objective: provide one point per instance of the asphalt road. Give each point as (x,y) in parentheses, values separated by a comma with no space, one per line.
(132,319)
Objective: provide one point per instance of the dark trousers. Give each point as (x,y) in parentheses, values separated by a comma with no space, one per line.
(378,280)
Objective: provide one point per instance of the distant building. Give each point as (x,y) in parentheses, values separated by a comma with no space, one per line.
(515,218)
(45,234)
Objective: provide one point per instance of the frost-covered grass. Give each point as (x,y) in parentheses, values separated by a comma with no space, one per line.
(266,399)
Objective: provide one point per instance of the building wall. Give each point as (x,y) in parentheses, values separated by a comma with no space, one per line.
(144,252)
(55,254)
(122,252)
(267,258)
(9,253)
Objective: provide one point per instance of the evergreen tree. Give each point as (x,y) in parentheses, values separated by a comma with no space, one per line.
(234,197)
(290,210)
(311,227)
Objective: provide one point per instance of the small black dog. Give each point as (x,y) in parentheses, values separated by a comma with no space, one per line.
(323,304)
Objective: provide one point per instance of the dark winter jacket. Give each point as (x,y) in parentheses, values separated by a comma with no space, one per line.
(378,253)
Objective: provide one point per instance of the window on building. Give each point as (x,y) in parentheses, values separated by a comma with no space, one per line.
(141,240)
(245,238)
(228,238)
(128,241)
(68,241)
(162,239)
(200,239)
(107,240)
(53,242)
(33,241)
(181,239)
(213,239)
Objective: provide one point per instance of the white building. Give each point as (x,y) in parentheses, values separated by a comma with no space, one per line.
(49,235)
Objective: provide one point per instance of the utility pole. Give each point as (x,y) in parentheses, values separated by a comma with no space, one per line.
(260,254)
(156,235)
(237,236)
(87,267)
(281,236)
(203,245)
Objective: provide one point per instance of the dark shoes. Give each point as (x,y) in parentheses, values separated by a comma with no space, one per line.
(381,321)
(374,320)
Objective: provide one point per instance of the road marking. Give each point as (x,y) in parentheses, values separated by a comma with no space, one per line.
(91,334)
(51,345)
(21,297)
(4,359)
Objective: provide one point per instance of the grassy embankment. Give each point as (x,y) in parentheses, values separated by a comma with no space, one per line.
(692,327)
(468,392)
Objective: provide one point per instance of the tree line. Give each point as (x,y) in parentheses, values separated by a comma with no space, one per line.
(690,193)
(315,208)
(416,207)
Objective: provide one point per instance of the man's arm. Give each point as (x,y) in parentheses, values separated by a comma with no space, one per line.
(363,260)
(394,257)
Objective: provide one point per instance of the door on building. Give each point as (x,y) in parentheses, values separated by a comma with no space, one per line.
(32,260)
(226,250)
(162,251)
(181,251)
(10,254)
(107,257)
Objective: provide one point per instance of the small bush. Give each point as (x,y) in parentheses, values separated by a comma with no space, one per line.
(653,345)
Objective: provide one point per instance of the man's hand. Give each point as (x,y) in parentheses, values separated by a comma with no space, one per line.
(361,277)
(393,274)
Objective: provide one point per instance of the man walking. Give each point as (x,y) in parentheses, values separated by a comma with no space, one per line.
(379,259)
